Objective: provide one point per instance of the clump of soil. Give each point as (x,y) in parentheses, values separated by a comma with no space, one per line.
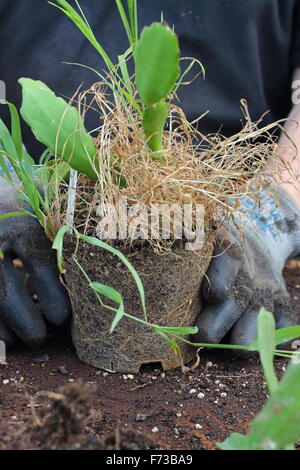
(192,411)
(69,414)
(65,426)
(171,283)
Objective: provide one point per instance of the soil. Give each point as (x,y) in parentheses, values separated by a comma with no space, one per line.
(171,284)
(53,400)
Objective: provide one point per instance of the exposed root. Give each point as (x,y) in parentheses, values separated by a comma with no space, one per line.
(192,169)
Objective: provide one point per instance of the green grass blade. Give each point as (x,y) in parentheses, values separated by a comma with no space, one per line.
(86,30)
(282,335)
(114,295)
(124,71)
(58,246)
(132,8)
(278,424)
(109,292)
(186,71)
(125,21)
(115,88)
(3,165)
(16,130)
(191,330)
(266,346)
(82,14)
(171,341)
(235,441)
(7,142)
(8,215)
(118,317)
(105,246)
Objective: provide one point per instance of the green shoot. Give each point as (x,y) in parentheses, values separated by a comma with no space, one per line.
(157,69)
(266,346)
(156,56)
(81,22)
(34,190)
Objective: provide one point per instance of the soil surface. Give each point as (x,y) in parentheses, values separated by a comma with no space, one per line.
(50,399)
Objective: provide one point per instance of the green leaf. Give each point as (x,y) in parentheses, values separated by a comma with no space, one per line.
(8,215)
(7,142)
(109,292)
(125,21)
(131,269)
(278,424)
(16,130)
(153,124)
(235,441)
(82,24)
(156,63)
(171,341)
(266,346)
(133,13)
(118,317)
(58,126)
(58,246)
(282,335)
(191,330)
(114,295)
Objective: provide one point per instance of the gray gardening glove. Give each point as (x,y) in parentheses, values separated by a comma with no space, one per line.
(22,237)
(246,270)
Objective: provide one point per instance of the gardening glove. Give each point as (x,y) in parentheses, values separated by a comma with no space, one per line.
(22,237)
(245,273)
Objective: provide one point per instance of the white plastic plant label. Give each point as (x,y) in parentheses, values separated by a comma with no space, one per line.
(2,90)
(2,352)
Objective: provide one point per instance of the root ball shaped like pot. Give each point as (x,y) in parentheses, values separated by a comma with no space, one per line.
(172,292)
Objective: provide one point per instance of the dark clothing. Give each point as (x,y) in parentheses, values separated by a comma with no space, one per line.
(249,49)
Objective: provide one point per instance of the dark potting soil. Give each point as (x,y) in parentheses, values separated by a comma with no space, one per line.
(147,410)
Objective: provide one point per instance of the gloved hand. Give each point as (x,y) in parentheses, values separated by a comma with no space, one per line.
(22,237)
(246,270)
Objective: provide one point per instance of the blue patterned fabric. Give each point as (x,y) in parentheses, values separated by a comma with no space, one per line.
(265,214)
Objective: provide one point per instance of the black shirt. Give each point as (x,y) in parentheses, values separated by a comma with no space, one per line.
(249,49)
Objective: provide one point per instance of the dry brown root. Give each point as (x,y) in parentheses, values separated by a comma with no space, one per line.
(192,168)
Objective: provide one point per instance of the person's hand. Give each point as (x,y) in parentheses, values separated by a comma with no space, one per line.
(246,270)
(22,237)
